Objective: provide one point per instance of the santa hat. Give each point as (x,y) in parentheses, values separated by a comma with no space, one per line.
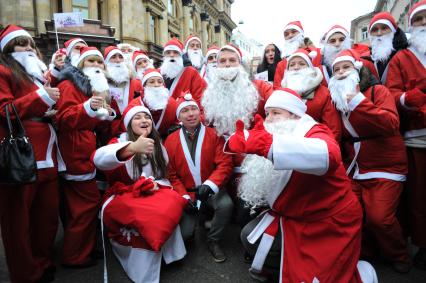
(11,32)
(131,110)
(383,18)
(232,48)
(297,25)
(69,44)
(212,50)
(333,30)
(173,44)
(305,55)
(420,6)
(88,51)
(137,55)
(111,51)
(150,73)
(183,101)
(287,99)
(121,45)
(189,39)
(351,56)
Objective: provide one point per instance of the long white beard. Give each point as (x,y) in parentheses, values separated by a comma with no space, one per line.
(381,46)
(171,66)
(418,39)
(156,98)
(210,68)
(74,58)
(340,88)
(196,58)
(118,72)
(140,72)
(226,101)
(97,77)
(302,80)
(291,45)
(330,51)
(128,58)
(31,63)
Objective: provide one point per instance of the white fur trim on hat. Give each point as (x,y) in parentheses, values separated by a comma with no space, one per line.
(333,31)
(112,53)
(415,11)
(188,101)
(141,56)
(296,27)
(192,38)
(357,64)
(132,112)
(304,57)
(73,43)
(287,101)
(14,34)
(212,51)
(150,75)
(384,22)
(89,53)
(172,47)
(232,48)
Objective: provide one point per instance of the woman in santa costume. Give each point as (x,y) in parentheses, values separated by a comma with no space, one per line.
(407,81)
(29,213)
(374,154)
(140,200)
(313,226)
(82,110)
(140,63)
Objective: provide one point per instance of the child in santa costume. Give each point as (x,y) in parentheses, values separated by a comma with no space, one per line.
(313,226)
(29,212)
(82,110)
(141,209)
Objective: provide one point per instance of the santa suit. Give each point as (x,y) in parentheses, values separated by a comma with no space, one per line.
(407,71)
(376,158)
(188,80)
(141,263)
(29,213)
(313,207)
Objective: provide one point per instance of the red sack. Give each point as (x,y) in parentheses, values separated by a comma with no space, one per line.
(154,216)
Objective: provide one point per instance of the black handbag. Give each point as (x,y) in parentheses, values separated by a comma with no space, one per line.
(17,160)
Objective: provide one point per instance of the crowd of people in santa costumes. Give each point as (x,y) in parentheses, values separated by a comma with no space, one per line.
(319,160)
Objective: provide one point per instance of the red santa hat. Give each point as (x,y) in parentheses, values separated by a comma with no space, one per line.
(212,50)
(305,55)
(173,44)
(383,18)
(150,73)
(69,44)
(351,56)
(297,25)
(88,51)
(189,39)
(233,48)
(111,51)
(137,55)
(420,6)
(333,30)
(11,32)
(131,110)
(183,101)
(287,99)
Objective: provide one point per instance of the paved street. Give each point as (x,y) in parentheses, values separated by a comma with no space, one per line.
(198,266)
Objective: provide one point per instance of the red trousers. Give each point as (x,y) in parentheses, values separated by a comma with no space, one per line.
(29,222)
(380,198)
(83,202)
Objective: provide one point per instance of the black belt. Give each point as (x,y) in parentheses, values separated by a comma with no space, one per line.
(359,139)
(46,120)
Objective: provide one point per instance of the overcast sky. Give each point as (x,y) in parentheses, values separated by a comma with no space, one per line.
(264,20)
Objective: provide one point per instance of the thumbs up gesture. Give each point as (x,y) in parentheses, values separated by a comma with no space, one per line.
(237,142)
(259,140)
(53,92)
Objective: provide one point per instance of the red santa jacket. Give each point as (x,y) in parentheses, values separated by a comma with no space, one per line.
(120,103)
(372,142)
(406,71)
(188,81)
(212,166)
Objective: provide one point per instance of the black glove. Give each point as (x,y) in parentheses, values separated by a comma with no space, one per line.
(203,192)
(191,207)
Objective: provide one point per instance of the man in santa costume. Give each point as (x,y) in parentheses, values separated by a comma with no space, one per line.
(374,154)
(73,47)
(210,63)
(140,63)
(127,49)
(294,37)
(407,81)
(178,78)
(197,163)
(303,77)
(314,234)
(193,54)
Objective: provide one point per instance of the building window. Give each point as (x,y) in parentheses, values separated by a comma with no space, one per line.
(153,29)
(364,33)
(171,7)
(81,6)
(191,23)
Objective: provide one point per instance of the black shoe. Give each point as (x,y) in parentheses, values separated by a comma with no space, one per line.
(248,258)
(258,276)
(216,251)
(420,259)
(91,262)
(48,275)
(402,267)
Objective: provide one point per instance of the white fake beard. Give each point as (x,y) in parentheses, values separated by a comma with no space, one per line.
(340,88)
(171,66)
(196,58)
(156,98)
(330,51)
(97,78)
(74,58)
(418,39)
(301,80)
(210,68)
(291,45)
(140,72)
(31,63)
(381,47)
(282,126)
(118,72)
(128,58)
(226,101)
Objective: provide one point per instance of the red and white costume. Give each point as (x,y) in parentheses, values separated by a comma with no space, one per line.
(189,80)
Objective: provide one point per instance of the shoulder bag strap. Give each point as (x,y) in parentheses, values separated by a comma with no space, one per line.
(20,129)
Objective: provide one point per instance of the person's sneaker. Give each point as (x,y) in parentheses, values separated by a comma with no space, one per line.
(402,267)
(216,251)
(259,276)
(420,259)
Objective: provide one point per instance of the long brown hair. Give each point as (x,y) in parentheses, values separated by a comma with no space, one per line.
(157,160)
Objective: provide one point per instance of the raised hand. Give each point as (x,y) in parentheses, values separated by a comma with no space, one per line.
(142,145)
(259,140)
(53,92)
(237,142)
